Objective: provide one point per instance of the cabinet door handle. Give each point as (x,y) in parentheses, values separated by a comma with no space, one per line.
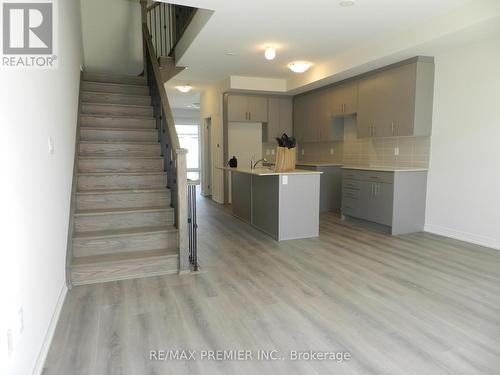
(372,190)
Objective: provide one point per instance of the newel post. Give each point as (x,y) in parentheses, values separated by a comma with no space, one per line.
(182,210)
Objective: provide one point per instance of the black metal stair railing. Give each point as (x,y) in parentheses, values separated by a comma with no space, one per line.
(192,226)
(166,24)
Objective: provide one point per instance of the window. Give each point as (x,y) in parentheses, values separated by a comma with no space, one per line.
(189,139)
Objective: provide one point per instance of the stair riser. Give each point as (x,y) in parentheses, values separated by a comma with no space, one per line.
(121,182)
(122,200)
(111,78)
(109,98)
(119,89)
(145,135)
(145,241)
(117,149)
(90,274)
(115,110)
(112,122)
(120,165)
(90,223)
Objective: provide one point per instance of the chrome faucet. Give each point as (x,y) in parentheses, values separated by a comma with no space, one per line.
(258,161)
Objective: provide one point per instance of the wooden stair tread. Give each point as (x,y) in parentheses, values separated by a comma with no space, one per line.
(103,115)
(123,190)
(107,211)
(114,93)
(118,105)
(113,83)
(145,173)
(124,142)
(124,232)
(118,129)
(119,157)
(126,256)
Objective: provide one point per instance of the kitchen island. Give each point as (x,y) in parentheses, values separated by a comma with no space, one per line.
(283,205)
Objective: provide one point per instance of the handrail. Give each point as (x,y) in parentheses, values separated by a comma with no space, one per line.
(174,156)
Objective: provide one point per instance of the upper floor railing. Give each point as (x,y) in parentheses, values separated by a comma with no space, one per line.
(167,23)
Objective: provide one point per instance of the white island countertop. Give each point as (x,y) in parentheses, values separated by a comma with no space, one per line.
(267,171)
(385,169)
(311,163)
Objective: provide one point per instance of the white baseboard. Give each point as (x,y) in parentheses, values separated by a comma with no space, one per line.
(463,236)
(44,350)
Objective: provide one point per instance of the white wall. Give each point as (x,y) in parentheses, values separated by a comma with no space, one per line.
(35,194)
(464,180)
(211,105)
(112,36)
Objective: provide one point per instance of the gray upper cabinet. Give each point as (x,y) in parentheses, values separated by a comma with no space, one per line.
(343,99)
(397,101)
(305,117)
(243,108)
(279,117)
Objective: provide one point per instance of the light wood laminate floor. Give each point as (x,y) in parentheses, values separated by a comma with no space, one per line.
(416,304)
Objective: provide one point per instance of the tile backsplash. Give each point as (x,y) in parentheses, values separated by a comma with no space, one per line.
(412,151)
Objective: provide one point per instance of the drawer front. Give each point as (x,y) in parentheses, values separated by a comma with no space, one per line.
(380,177)
(350,174)
(350,184)
(350,207)
(350,194)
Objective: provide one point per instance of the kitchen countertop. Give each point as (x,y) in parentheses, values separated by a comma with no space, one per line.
(386,169)
(312,164)
(267,171)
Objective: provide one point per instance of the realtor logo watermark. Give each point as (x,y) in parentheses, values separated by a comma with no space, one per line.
(29,34)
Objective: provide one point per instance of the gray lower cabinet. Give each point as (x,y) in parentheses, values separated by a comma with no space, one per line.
(330,193)
(391,199)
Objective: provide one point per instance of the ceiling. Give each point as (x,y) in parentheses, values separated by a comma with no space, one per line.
(318,31)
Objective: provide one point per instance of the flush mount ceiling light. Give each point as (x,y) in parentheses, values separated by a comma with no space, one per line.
(184,89)
(347,3)
(299,66)
(270,53)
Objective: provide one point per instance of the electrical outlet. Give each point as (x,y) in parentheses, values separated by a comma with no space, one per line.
(302,152)
(51,145)
(331,151)
(396,151)
(272,152)
(285,180)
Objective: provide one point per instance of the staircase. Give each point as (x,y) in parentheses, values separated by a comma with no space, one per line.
(123,221)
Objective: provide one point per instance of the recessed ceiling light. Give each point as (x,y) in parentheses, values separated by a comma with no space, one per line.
(299,66)
(184,89)
(347,3)
(270,53)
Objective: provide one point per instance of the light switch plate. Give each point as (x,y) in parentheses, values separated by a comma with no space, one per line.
(302,151)
(284,180)
(331,151)
(272,152)
(51,145)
